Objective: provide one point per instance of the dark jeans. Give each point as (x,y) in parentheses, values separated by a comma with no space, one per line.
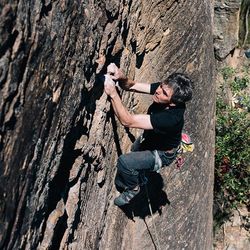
(130,166)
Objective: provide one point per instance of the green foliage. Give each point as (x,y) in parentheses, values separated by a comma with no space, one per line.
(227,72)
(239,84)
(232,157)
(245,102)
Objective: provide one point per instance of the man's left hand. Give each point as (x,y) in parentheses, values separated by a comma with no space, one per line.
(109,86)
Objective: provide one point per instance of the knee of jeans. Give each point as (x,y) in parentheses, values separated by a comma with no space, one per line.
(122,166)
(121,163)
(158,161)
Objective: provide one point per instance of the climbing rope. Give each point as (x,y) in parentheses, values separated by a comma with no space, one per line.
(144,181)
(186,146)
(151,212)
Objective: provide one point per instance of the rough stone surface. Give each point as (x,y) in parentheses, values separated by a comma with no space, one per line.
(59,138)
(244,35)
(226,26)
(234,234)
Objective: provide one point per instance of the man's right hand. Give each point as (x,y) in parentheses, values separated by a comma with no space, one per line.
(115,72)
(118,75)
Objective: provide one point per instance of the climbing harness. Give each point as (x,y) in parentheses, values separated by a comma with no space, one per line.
(185,147)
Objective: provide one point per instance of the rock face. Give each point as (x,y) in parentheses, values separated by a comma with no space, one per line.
(226,26)
(235,234)
(244,36)
(60,140)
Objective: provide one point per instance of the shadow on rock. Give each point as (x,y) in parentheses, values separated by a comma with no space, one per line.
(153,192)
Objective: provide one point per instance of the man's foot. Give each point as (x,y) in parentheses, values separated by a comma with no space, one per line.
(126,196)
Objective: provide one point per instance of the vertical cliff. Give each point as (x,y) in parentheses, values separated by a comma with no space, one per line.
(231,31)
(59,139)
(226,28)
(244,36)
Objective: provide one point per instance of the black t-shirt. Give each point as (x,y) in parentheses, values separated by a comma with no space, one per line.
(167,122)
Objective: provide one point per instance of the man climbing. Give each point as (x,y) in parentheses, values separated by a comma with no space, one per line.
(162,126)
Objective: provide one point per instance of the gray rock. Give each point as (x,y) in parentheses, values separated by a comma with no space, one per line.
(60,140)
(226,26)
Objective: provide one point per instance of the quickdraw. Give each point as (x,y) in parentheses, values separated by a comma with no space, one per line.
(185,147)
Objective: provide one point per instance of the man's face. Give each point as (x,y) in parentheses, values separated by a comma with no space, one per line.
(163,94)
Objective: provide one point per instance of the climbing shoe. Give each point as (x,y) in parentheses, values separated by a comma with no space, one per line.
(126,196)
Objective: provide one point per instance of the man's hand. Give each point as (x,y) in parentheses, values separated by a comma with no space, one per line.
(115,73)
(109,86)
(118,75)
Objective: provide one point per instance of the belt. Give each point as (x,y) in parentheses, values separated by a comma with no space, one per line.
(170,151)
(173,150)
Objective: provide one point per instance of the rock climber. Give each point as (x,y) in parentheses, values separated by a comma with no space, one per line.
(162,125)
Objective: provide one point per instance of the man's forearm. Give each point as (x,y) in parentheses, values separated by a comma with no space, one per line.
(120,110)
(126,83)
(131,85)
(141,87)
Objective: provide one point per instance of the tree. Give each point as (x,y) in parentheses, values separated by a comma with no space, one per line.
(60,140)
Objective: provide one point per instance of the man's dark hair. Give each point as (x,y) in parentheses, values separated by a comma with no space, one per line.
(182,87)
